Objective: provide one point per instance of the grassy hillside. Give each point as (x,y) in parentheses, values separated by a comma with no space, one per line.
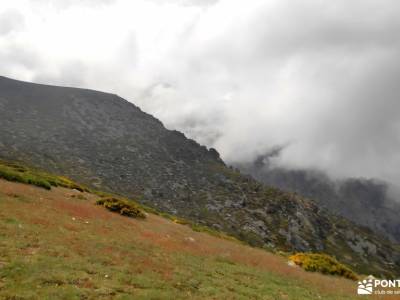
(107,143)
(57,244)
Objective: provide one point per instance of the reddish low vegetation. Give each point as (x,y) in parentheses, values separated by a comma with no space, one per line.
(98,245)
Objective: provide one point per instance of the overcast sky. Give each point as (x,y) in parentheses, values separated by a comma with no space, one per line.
(320,78)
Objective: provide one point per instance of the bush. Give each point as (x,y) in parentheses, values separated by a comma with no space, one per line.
(322,263)
(17,173)
(39,182)
(23,177)
(122,206)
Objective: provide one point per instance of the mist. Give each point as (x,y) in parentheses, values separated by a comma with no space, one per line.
(317,79)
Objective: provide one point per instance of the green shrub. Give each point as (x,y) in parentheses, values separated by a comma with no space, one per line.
(322,263)
(39,182)
(122,206)
(10,174)
(17,173)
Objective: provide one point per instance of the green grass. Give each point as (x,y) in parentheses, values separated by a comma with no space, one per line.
(194,278)
(47,254)
(18,173)
(59,271)
(11,174)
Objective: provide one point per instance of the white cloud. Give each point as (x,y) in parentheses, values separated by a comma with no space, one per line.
(244,76)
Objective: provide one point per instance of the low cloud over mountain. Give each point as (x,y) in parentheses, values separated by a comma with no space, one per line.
(316,78)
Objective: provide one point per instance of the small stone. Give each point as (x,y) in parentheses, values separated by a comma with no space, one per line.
(291,263)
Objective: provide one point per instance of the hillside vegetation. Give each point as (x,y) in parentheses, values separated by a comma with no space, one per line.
(12,171)
(317,262)
(58,244)
(107,143)
(121,206)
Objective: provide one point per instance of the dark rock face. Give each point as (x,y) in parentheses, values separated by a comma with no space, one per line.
(364,201)
(106,142)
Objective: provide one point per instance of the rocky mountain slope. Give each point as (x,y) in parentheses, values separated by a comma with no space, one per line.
(104,141)
(367,202)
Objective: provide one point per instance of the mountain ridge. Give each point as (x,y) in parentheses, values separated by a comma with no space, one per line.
(97,139)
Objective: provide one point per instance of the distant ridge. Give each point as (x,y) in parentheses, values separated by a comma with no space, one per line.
(366,202)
